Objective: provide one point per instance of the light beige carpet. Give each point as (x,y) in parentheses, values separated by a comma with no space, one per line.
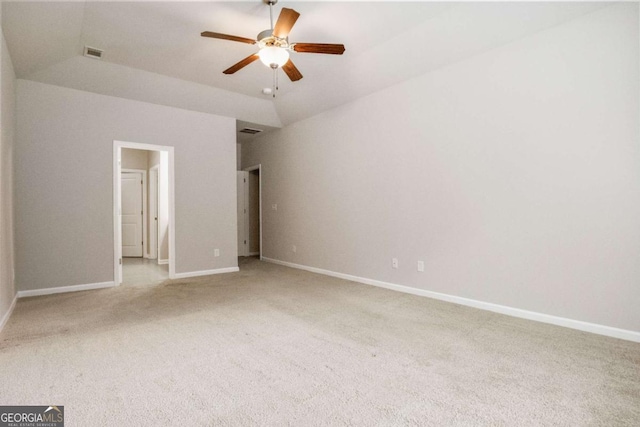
(277,346)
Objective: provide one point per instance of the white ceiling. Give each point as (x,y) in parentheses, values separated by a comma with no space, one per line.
(386,42)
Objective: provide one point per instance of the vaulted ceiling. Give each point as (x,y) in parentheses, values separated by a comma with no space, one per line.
(386,43)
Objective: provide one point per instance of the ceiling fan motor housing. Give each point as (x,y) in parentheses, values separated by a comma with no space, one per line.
(267,39)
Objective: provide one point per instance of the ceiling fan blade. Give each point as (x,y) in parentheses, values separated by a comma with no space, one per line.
(240,65)
(331,49)
(292,71)
(285,22)
(227,37)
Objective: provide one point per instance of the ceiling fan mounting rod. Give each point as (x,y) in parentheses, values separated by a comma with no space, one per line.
(271,3)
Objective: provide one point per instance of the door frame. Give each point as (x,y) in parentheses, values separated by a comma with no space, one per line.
(258,167)
(143,174)
(153,209)
(117,191)
(243,217)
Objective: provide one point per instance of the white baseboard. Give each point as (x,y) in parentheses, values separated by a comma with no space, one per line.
(7,315)
(163,261)
(205,272)
(62,289)
(253,253)
(502,309)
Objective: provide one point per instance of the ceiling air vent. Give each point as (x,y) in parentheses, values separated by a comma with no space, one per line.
(250,131)
(92,52)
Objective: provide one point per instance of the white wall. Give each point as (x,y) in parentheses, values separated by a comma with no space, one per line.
(117,80)
(514,175)
(63,179)
(7,126)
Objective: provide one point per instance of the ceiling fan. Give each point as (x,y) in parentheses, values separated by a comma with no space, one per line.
(275,47)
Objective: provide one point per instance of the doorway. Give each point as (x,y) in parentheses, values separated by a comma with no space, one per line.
(250,212)
(144,216)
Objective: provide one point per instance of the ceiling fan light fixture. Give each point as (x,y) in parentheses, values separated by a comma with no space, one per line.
(273,56)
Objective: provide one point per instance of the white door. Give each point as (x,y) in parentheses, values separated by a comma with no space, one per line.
(253,235)
(243,215)
(131,214)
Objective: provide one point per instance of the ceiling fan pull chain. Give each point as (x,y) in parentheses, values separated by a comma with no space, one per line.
(275,81)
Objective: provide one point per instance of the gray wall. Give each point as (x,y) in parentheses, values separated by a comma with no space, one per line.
(7,126)
(64,175)
(135,159)
(153,159)
(514,175)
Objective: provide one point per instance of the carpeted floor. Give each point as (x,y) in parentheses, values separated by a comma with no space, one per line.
(276,346)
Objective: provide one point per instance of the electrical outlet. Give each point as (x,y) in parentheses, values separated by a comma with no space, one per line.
(216,252)
(294,249)
(420,265)
(274,206)
(394,262)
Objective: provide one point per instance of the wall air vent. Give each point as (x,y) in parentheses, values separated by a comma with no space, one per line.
(250,131)
(92,52)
